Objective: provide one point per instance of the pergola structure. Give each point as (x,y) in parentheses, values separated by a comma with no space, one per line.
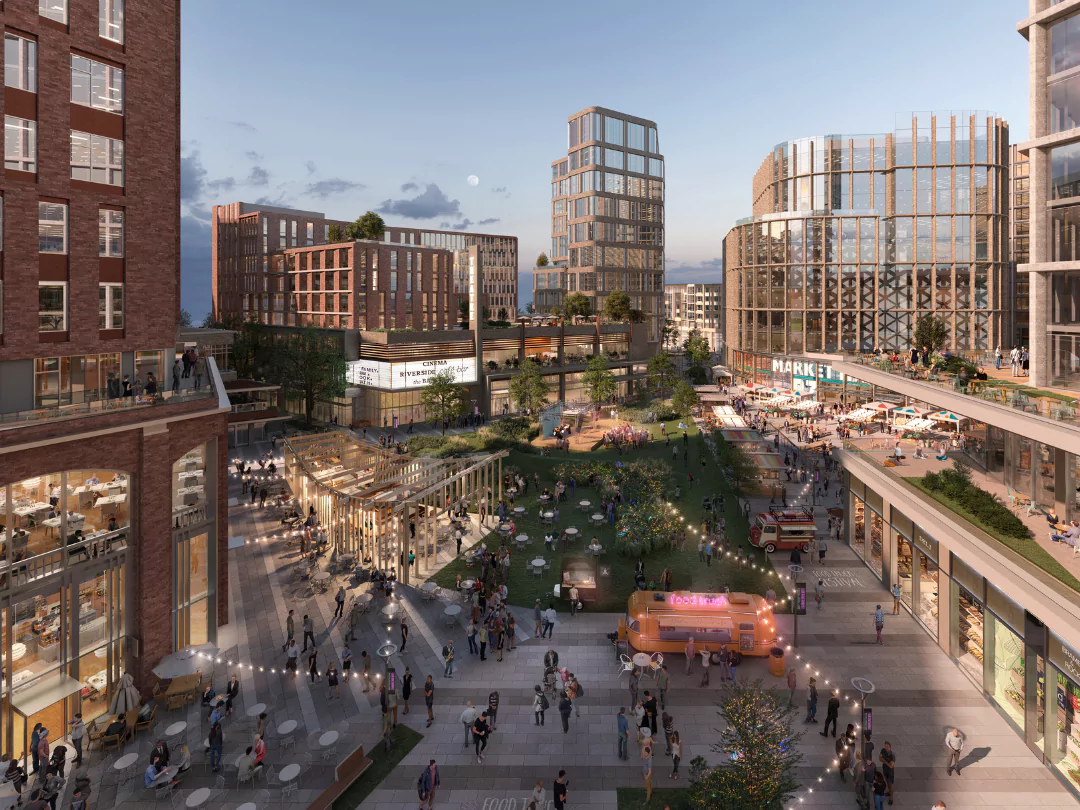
(367,496)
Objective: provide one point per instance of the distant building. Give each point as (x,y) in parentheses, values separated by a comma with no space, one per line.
(695,306)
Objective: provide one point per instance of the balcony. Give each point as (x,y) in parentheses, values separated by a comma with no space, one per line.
(54,561)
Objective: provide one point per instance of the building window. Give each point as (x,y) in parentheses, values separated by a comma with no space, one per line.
(52,227)
(20,144)
(54,10)
(613,131)
(95,84)
(111,19)
(52,306)
(110,233)
(97,159)
(311,233)
(20,63)
(110,306)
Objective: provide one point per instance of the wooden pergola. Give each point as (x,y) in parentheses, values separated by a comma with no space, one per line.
(367,496)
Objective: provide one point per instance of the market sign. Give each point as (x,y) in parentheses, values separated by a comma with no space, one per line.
(697,600)
(413,374)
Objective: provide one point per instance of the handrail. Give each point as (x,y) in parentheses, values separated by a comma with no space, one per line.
(56,560)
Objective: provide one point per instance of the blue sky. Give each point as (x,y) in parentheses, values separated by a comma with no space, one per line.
(341,106)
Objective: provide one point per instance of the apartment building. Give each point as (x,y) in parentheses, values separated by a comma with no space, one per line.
(607,212)
(692,307)
(112,517)
(1019,333)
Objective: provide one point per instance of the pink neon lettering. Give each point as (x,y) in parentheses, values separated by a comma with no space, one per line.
(699,600)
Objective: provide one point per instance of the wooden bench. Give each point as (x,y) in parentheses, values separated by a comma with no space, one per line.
(347,771)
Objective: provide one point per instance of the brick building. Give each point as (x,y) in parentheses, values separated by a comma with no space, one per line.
(111,506)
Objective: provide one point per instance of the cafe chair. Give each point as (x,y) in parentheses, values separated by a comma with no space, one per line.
(110,742)
(306,765)
(140,725)
(164,790)
(245,777)
(625,664)
(93,735)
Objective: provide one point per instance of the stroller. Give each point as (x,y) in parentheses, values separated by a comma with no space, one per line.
(551,688)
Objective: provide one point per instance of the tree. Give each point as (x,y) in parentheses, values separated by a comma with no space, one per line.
(683,398)
(309,365)
(542,260)
(599,380)
(528,388)
(698,352)
(662,373)
(530,308)
(668,332)
(442,398)
(737,462)
(251,352)
(367,226)
(208,322)
(757,749)
(463,311)
(931,331)
(502,313)
(185,318)
(617,307)
(637,316)
(577,304)
(334,234)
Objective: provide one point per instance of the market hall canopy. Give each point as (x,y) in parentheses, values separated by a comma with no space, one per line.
(768,461)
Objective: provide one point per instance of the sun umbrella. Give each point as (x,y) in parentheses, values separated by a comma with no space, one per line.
(126,698)
(947,416)
(184,662)
(912,410)
(879,406)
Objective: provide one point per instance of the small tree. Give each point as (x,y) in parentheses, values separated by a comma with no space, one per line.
(599,380)
(528,387)
(931,331)
(617,307)
(698,353)
(185,318)
(668,332)
(502,313)
(334,234)
(530,308)
(463,311)
(309,365)
(208,322)
(757,749)
(542,260)
(367,226)
(739,464)
(577,304)
(442,398)
(662,373)
(251,350)
(683,398)
(637,316)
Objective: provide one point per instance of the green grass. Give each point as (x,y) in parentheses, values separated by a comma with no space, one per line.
(675,798)
(405,739)
(687,572)
(1028,549)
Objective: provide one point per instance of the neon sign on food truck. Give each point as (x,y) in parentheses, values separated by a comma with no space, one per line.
(697,600)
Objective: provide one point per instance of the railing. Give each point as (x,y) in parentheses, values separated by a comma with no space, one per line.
(250,407)
(184,516)
(98,407)
(56,560)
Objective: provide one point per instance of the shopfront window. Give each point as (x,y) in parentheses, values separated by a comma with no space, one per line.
(905,567)
(968,639)
(189,486)
(927,604)
(1005,654)
(1045,483)
(191,591)
(858,526)
(36,634)
(1063,702)
(877,533)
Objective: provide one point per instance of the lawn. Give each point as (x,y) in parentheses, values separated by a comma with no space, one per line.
(1028,549)
(675,798)
(688,572)
(404,739)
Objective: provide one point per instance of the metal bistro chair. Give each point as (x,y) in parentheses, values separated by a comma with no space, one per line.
(625,664)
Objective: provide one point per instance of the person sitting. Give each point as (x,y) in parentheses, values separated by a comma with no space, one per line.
(208,695)
(260,751)
(246,765)
(185,760)
(1070,536)
(117,728)
(151,775)
(113,525)
(1052,518)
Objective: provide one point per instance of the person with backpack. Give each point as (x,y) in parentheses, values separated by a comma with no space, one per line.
(575,693)
(427,783)
(565,708)
(540,705)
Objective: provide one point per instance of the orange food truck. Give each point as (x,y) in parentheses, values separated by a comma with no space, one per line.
(658,621)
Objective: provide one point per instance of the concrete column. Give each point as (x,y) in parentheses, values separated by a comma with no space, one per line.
(1041,367)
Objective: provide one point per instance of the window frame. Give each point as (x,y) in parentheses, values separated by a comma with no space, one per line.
(43,8)
(107,76)
(22,162)
(107,224)
(98,145)
(63,285)
(105,19)
(27,62)
(42,220)
(112,319)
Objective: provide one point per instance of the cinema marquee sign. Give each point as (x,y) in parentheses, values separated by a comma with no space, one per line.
(413,374)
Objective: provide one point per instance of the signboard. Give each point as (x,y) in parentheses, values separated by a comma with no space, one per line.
(697,600)
(868,721)
(413,374)
(1065,658)
(801,586)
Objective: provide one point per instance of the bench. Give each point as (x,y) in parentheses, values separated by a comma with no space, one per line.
(347,771)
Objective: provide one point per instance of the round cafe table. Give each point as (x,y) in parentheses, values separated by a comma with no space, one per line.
(322,576)
(126,761)
(519,510)
(571,531)
(538,562)
(289,773)
(198,797)
(642,659)
(389,612)
(549,515)
(467,584)
(328,738)
(522,538)
(452,610)
(584,504)
(364,598)
(429,587)
(504,528)
(288,727)
(176,729)
(247,806)
(256,710)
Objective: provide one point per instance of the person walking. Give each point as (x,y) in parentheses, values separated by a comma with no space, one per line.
(540,705)
(888,769)
(355,616)
(667,723)
(635,679)
(332,680)
(622,729)
(811,701)
(734,659)
(537,619)
(290,631)
(843,756)
(565,707)
(480,732)
(313,664)
(429,700)
(483,633)
(792,685)
(822,543)
(879,623)
(468,717)
(365,670)
(704,666)
(561,790)
(309,632)
(406,690)
(646,765)
(339,599)
(880,789)
(676,754)
(897,592)
(176,376)
(819,593)
(448,659)
(663,681)
(832,713)
(689,654)
(427,785)
(650,711)
(954,745)
(292,656)
(493,710)
(215,739)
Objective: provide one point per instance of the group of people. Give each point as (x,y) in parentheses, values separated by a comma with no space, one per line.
(625,437)
(1019,360)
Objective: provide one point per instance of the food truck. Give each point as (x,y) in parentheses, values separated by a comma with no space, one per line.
(784,529)
(658,621)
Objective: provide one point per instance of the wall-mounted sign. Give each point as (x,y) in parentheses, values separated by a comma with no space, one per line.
(413,374)
(697,600)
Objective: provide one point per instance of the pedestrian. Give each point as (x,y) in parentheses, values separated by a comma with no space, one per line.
(290,631)
(879,623)
(880,788)
(540,705)
(708,555)
(676,754)
(663,680)
(667,723)
(819,593)
(537,619)
(538,800)
(355,616)
(448,659)
(646,765)
(483,633)
(811,701)
(832,713)
(365,670)
(406,689)
(701,549)
(864,781)
(888,768)
(822,544)
(493,710)
(704,666)
(725,672)
(176,376)
(77,735)
(339,611)
(427,784)
(429,700)
(561,789)
(843,753)
(332,679)
(650,711)
(313,664)
(954,744)
(468,717)
(689,654)
(309,632)
(292,656)
(622,729)
(215,739)
(634,682)
(897,592)
(565,707)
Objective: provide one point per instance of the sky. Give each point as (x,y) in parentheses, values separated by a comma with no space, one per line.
(340,106)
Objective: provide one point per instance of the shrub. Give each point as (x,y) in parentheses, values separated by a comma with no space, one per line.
(955,484)
(665,413)
(517,428)
(427,443)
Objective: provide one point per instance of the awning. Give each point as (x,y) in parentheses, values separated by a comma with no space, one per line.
(44,693)
(767,461)
(735,435)
(720,371)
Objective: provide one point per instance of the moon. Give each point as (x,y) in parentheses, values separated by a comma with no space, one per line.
(474,180)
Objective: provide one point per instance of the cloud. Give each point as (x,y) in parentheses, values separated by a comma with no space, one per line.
(192,177)
(410,186)
(195,274)
(244,125)
(258,177)
(428,205)
(279,201)
(444,225)
(499,190)
(465,223)
(708,271)
(223,184)
(253,156)
(332,185)
(310,165)
(490,221)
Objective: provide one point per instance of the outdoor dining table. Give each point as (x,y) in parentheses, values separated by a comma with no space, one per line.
(539,562)
(596,550)
(519,510)
(247,806)
(256,710)
(504,528)
(328,738)
(389,612)
(288,727)
(549,515)
(467,584)
(571,532)
(584,504)
(522,538)
(429,587)
(289,772)
(322,576)
(598,518)
(642,660)
(176,729)
(452,610)
(126,761)
(198,797)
